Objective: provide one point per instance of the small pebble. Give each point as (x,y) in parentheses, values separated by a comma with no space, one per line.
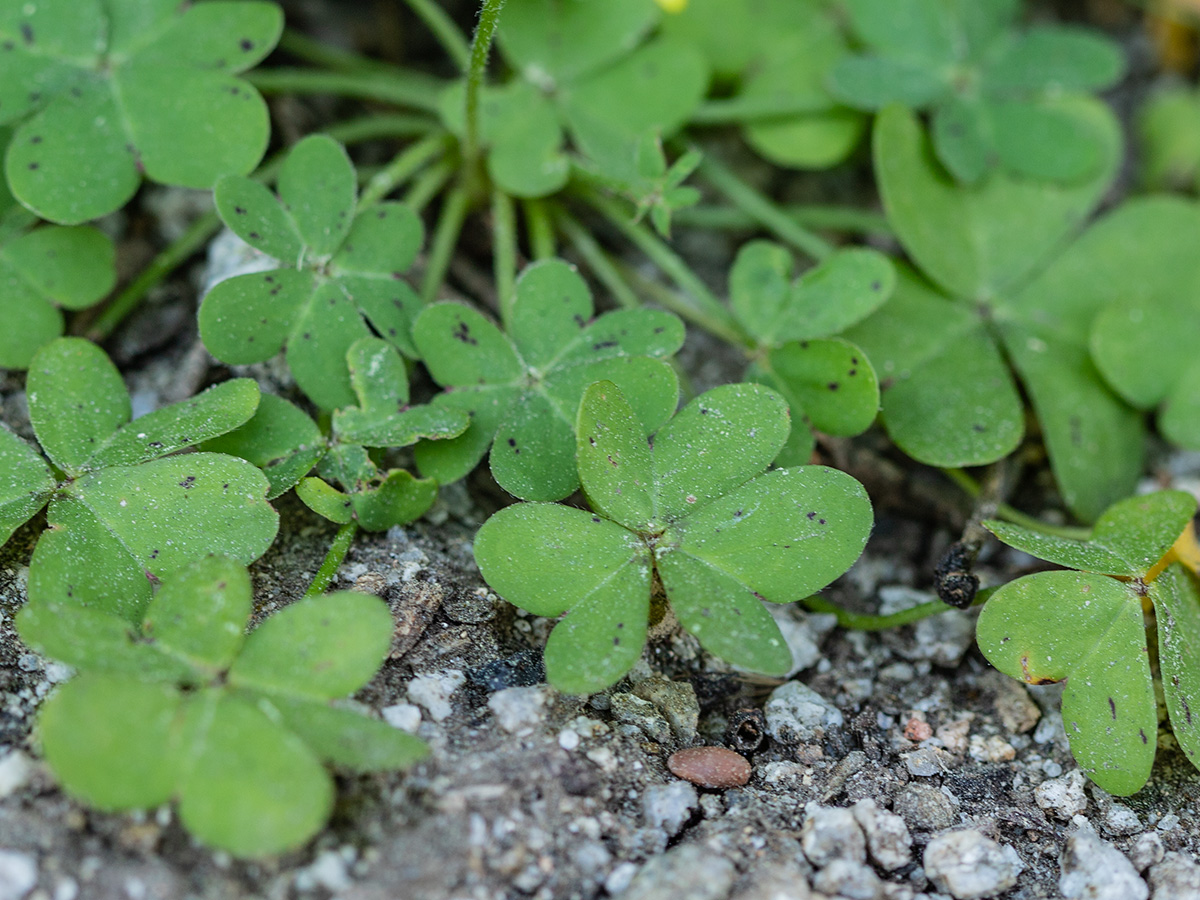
(830,833)
(404,716)
(1147,851)
(16,770)
(519,708)
(669,806)
(925,807)
(917,730)
(1093,869)
(677,702)
(969,866)
(710,767)
(796,714)
(1063,797)
(888,838)
(641,714)
(1176,878)
(688,870)
(434,690)
(18,874)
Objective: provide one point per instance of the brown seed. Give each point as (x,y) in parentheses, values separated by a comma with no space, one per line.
(710,767)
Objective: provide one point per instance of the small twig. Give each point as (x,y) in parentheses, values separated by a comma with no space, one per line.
(333,560)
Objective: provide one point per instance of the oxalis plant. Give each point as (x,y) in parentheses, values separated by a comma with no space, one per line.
(683,521)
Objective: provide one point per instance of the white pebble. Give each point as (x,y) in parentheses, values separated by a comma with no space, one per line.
(404,716)
(18,874)
(434,691)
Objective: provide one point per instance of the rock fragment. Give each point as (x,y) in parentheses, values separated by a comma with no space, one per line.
(1093,869)
(1064,796)
(1176,878)
(710,767)
(688,870)
(830,833)
(968,866)
(677,702)
(519,709)
(796,714)
(848,879)
(669,806)
(925,808)
(888,838)
(18,874)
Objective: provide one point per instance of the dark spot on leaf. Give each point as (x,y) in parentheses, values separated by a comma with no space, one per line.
(616,642)
(187,483)
(246,44)
(27,32)
(703,411)
(611,460)
(382,214)
(1076,431)
(307,335)
(592,441)
(34,166)
(604,345)
(154,554)
(738,514)
(36,139)
(812,515)
(706,612)
(852,372)
(578,320)
(833,385)
(1112,706)
(595,518)
(875,285)
(462,332)
(513,443)
(804,345)
(821,521)
(254,235)
(241,211)
(978,429)
(155,445)
(1142,735)
(659,330)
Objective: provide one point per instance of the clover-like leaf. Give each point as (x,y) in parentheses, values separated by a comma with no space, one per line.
(993,94)
(125,515)
(829,384)
(1168,126)
(340,277)
(321,647)
(1142,341)
(1097,642)
(772,58)
(522,389)
(279,439)
(104,92)
(377,500)
(948,398)
(42,272)
(690,510)
(234,728)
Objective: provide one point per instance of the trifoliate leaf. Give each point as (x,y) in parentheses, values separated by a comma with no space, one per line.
(200,613)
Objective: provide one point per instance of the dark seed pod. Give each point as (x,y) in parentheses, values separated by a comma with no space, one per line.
(747,730)
(955,582)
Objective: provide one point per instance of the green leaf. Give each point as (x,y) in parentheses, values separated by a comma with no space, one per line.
(614,459)
(398,499)
(1038,140)
(544,557)
(247,318)
(113,741)
(132,89)
(279,439)
(326,500)
(319,647)
(43,270)
(25,483)
(383,417)
(912,29)
(1168,129)
(77,400)
(347,738)
(784,535)
(107,535)
(1179,419)
(1098,646)
(1127,541)
(841,291)
(526,390)
(1176,597)
(727,617)
(551,42)
(1055,57)
(317,188)
(964,139)
(872,82)
(255,215)
(815,141)
(980,242)
(252,787)
(947,397)
(213,412)
(200,613)
(720,440)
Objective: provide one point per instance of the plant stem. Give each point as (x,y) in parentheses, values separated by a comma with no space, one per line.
(333,560)
(835,218)
(444,29)
(319,53)
(405,164)
(428,184)
(542,244)
(866,622)
(762,209)
(398,87)
(1015,516)
(667,298)
(481,45)
(738,110)
(445,235)
(704,302)
(381,125)
(598,261)
(195,237)
(504,251)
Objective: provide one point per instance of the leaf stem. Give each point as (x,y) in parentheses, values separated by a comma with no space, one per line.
(381,125)
(403,167)
(333,560)
(867,622)
(540,228)
(504,251)
(319,53)
(429,183)
(445,235)
(1015,516)
(397,87)
(664,296)
(481,45)
(717,318)
(834,218)
(447,33)
(764,211)
(597,259)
